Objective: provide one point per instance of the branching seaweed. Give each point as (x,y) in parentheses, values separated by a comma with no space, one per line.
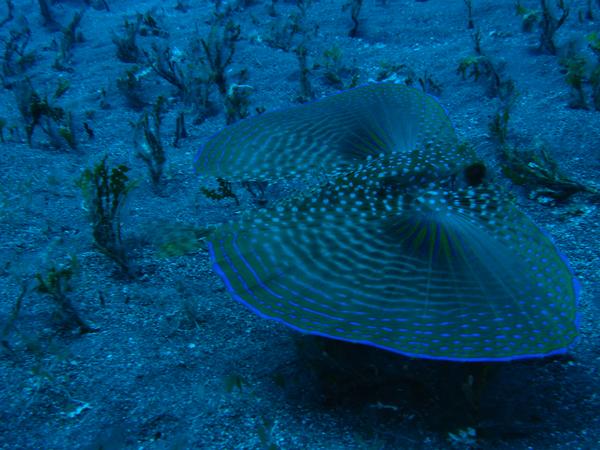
(130,85)
(335,71)
(36,111)
(47,15)
(56,284)
(546,20)
(306,90)
(530,17)
(225,190)
(9,325)
(594,44)
(10,7)
(16,59)
(180,131)
(237,102)
(192,80)
(177,239)
(148,142)
(549,25)
(70,36)
(539,173)
(105,193)
(469,5)
(127,49)
(355,7)
(166,65)
(575,77)
(219,48)
(498,126)
(481,67)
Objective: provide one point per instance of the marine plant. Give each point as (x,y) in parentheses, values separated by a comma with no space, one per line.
(539,173)
(401,247)
(10,7)
(594,44)
(56,284)
(47,15)
(530,17)
(16,58)
(354,6)
(167,66)
(36,111)
(180,239)
(306,90)
(105,192)
(98,4)
(333,66)
(589,13)
(498,125)
(334,69)
(148,142)
(469,5)
(225,190)
(130,86)
(264,430)
(62,87)
(271,10)
(69,37)
(150,27)
(180,131)
(575,77)
(549,24)
(595,82)
(284,32)
(12,317)
(182,5)
(234,381)
(257,191)
(127,49)
(481,67)
(546,20)
(192,79)
(237,102)
(507,98)
(219,48)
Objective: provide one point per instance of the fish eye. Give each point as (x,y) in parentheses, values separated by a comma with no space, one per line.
(475,174)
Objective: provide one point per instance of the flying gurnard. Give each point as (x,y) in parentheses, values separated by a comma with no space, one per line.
(405,246)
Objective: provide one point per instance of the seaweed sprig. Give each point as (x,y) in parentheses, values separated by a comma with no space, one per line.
(219,48)
(37,111)
(354,6)
(56,284)
(105,192)
(148,142)
(225,190)
(536,170)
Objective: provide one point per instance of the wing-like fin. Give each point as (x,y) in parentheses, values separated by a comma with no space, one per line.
(427,272)
(333,136)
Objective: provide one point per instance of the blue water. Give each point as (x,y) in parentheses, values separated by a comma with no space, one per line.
(115,330)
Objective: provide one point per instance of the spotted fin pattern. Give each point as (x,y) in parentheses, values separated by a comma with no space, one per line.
(332,136)
(393,255)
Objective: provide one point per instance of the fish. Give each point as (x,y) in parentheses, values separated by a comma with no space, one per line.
(402,251)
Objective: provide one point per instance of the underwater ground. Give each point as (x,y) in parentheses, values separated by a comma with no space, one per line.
(125,338)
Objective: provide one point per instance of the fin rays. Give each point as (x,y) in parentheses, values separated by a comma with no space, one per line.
(387,254)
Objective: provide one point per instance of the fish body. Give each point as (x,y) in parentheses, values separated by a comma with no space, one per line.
(393,253)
